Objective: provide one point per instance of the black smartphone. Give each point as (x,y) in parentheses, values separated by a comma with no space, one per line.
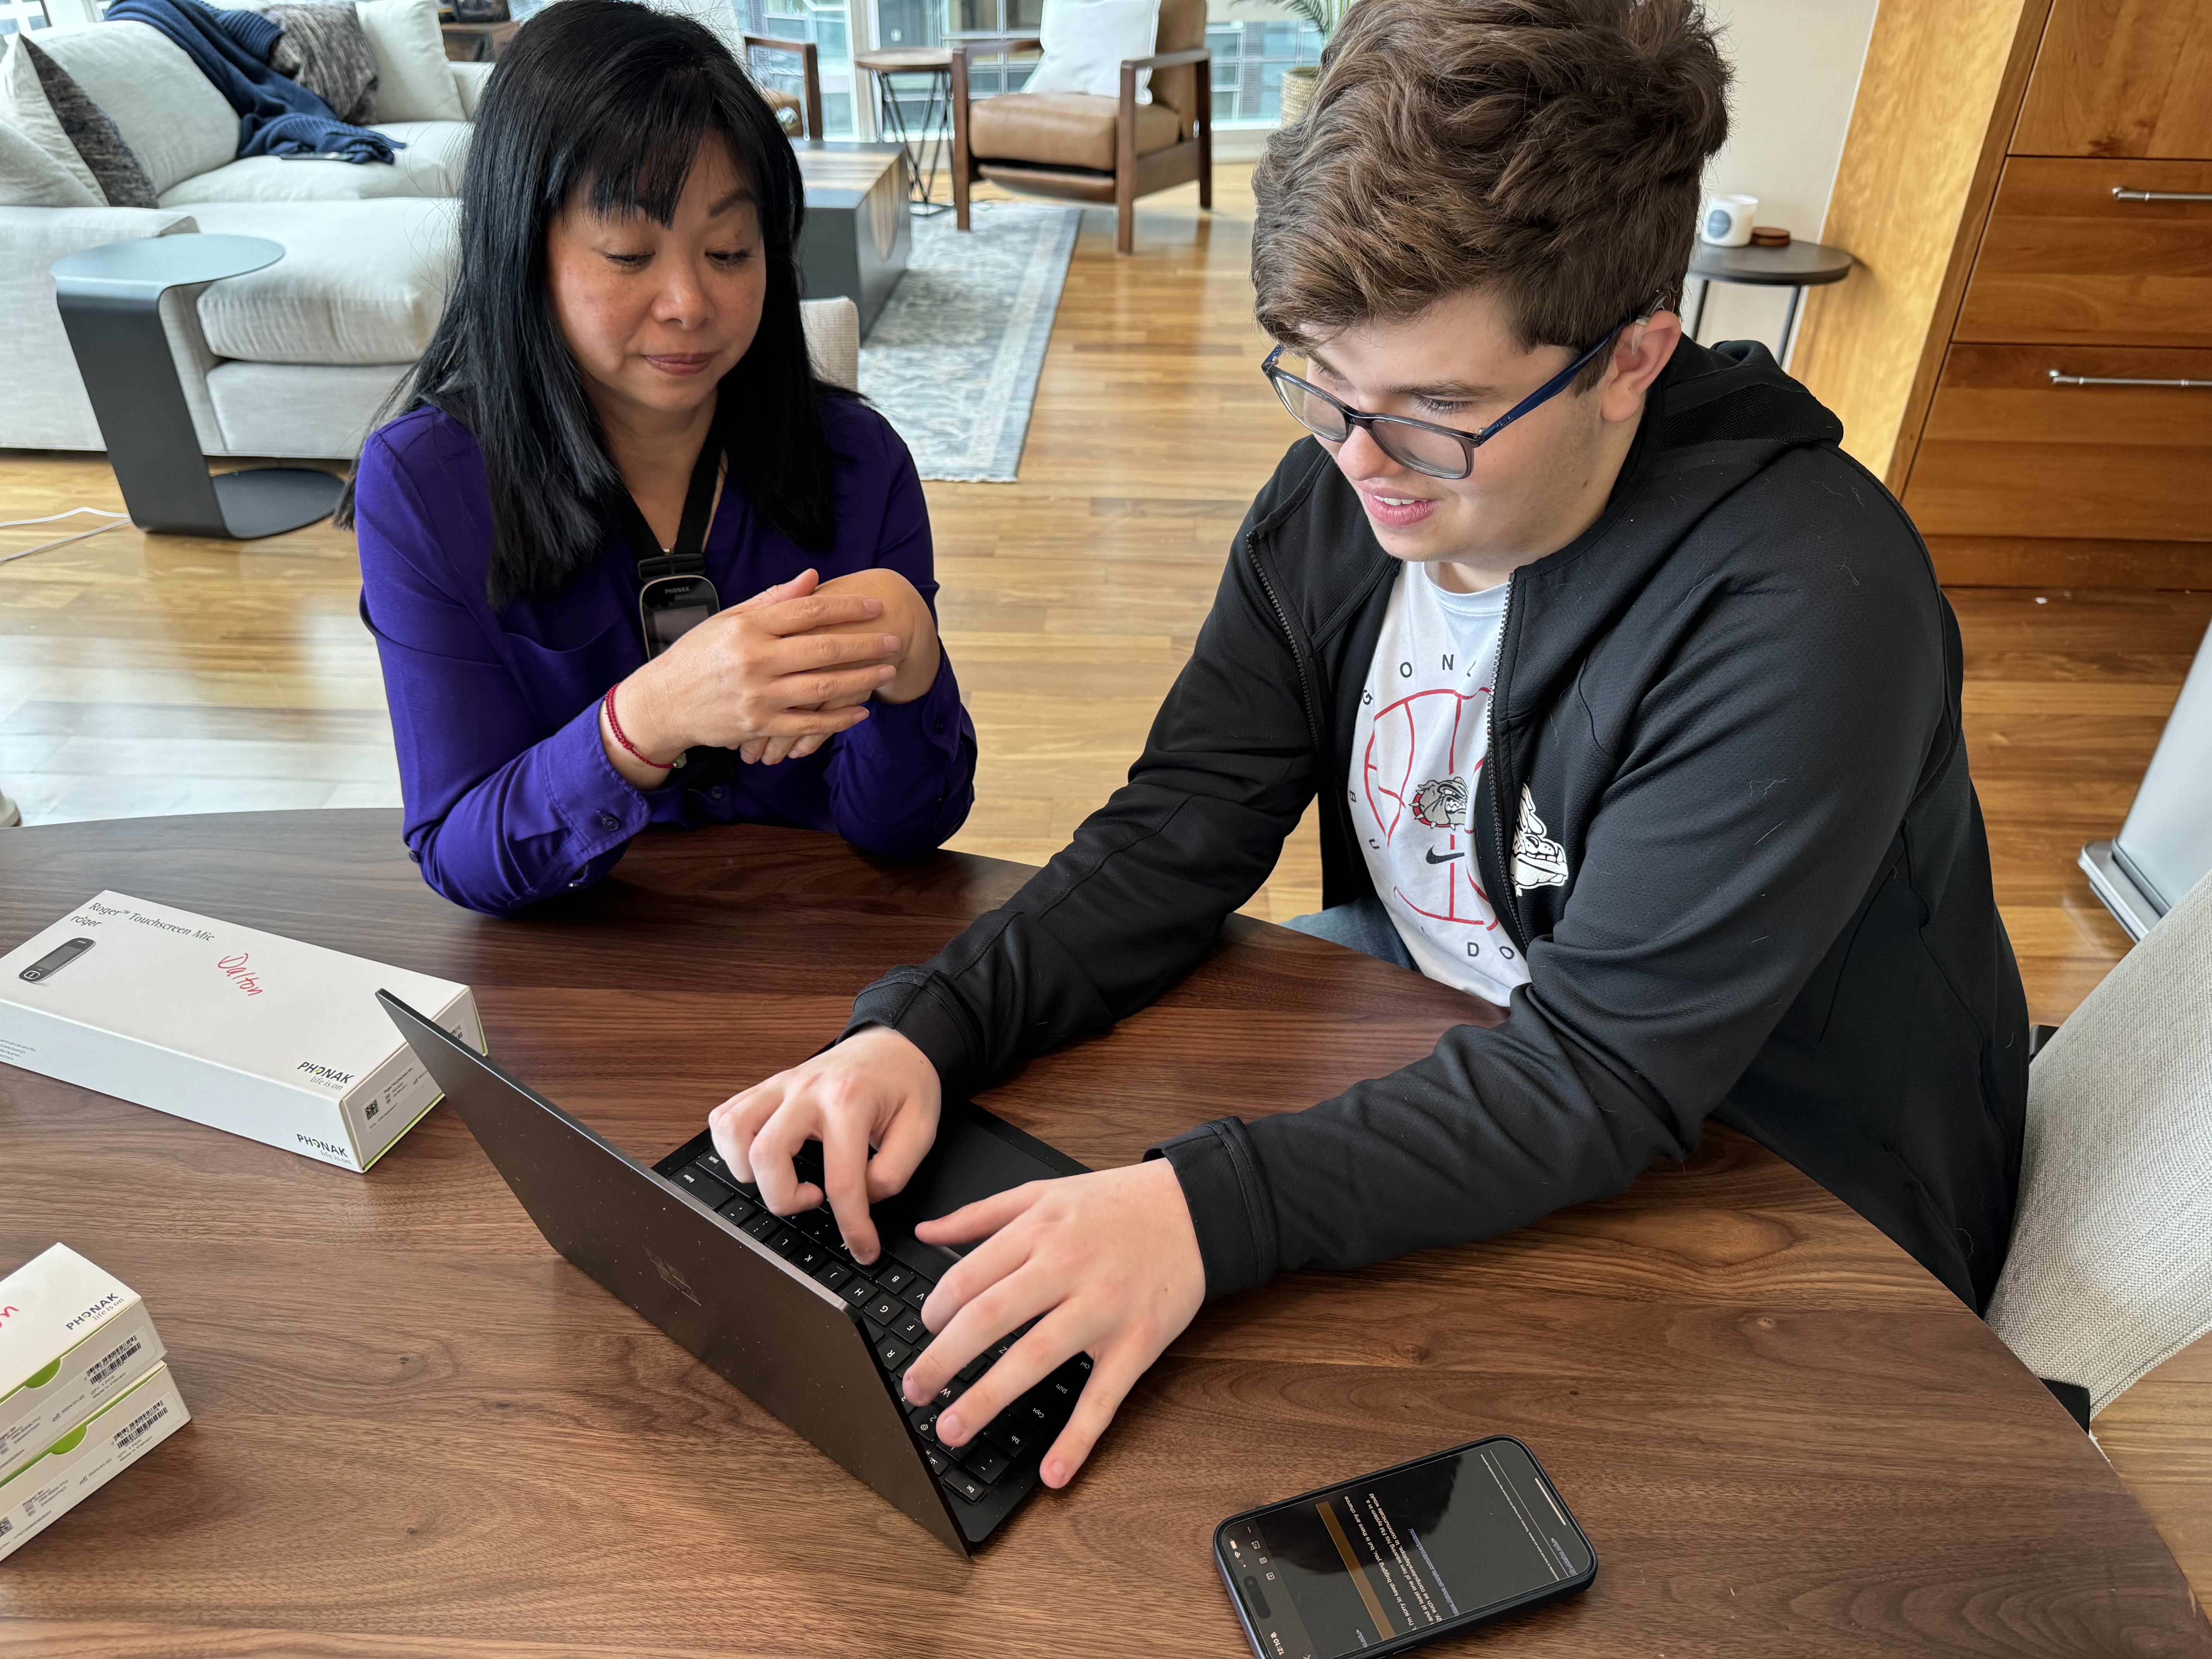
(57,959)
(1392,1560)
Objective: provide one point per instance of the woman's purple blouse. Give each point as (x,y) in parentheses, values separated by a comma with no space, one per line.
(510,797)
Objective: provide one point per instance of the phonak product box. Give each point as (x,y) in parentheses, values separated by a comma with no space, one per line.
(72,1337)
(263,1035)
(87,1457)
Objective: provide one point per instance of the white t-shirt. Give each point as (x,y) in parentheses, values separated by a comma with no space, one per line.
(1418,745)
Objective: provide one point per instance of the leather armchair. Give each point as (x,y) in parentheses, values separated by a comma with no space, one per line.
(789,107)
(1088,149)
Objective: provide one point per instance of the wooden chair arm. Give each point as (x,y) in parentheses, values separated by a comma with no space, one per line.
(1170,60)
(810,70)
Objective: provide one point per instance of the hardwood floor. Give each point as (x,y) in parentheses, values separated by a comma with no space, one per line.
(149,675)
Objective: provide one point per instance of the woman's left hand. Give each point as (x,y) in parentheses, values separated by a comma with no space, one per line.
(1106,1264)
(906,613)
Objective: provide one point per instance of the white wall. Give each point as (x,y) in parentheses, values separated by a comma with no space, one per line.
(1797,67)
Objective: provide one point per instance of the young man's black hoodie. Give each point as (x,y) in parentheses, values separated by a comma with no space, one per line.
(1725,815)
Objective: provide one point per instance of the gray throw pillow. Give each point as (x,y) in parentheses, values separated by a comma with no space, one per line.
(326,49)
(121,175)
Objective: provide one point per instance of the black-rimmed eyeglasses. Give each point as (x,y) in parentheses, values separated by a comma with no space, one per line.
(1438,452)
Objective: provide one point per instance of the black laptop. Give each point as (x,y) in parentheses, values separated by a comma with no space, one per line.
(776,1304)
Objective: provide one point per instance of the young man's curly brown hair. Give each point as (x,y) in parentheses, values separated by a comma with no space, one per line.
(1546,151)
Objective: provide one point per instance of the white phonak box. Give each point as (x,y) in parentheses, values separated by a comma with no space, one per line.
(87,1457)
(72,1337)
(251,1032)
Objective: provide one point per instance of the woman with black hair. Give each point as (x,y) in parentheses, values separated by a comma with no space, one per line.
(616,427)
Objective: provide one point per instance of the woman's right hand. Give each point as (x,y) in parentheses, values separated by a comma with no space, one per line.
(876,1088)
(758,670)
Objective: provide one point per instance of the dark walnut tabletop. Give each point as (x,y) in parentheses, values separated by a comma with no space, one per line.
(417,1431)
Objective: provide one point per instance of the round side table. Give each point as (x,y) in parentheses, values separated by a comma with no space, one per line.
(1798,267)
(932,137)
(111,304)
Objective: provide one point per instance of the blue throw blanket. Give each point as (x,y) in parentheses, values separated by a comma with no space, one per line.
(275,116)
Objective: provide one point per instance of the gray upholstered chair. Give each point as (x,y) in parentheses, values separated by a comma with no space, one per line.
(2111,1268)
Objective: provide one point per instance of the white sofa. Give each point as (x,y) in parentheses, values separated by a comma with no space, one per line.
(295,359)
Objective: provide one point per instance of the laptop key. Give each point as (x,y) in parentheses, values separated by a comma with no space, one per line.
(782,1241)
(966,1485)
(884,1309)
(832,1274)
(893,1275)
(938,1461)
(910,1329)
(917,1293)
(711,1161)
(817,1224)
(763,1226)
(712,1192)
(891,1353)
(975,1367)
(739,1211)
(856,1291)
(987,1463)
(1013,1438)
(810,1257)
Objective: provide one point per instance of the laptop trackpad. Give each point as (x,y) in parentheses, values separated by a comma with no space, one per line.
(968,1163)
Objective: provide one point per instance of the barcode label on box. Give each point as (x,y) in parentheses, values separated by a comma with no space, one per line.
(7,1526)
(141,1424)
(115,1362)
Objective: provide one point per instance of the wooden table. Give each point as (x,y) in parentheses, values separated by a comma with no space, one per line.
(932,137)
(418,1432)
(856,238)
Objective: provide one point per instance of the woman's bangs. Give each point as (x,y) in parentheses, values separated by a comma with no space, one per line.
(638,162)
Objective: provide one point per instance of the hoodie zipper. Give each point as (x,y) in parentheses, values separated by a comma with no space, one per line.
(1506,904)
(1297,656)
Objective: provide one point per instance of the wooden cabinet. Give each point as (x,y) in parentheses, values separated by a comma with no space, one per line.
(2120,78)
(2072,254)
(2037,235)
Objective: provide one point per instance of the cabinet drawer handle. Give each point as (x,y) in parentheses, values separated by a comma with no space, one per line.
(2056,379)
(2122,193)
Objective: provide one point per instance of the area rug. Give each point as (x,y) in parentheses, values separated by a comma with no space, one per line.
(952,362)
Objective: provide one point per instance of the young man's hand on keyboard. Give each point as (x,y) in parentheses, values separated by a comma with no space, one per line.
(873,1089)
(1106,1264)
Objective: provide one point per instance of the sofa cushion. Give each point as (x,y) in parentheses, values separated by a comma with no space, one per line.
(414,77)
(288,410)
(1062,129)
(31,178)
(359,281)
(175,121)
(24,107)
(429,165)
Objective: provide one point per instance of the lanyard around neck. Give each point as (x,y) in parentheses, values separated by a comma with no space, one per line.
(687,557)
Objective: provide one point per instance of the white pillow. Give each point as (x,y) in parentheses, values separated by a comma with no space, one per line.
(31,178)
(1086,42)
(414,79)
(23,107)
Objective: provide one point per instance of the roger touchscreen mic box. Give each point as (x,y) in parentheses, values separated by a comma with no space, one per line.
(265,1037)
(73,1336)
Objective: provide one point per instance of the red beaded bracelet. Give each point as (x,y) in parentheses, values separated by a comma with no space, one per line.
(614,724)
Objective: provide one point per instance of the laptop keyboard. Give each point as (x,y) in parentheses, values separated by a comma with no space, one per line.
(888,1293)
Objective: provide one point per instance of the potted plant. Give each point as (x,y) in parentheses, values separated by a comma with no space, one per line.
(1299,80)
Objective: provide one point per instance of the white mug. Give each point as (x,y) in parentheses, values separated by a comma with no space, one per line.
(1728,220)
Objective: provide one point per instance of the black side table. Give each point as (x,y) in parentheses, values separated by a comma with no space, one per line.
(1798,267)
(111,305)
(931,139)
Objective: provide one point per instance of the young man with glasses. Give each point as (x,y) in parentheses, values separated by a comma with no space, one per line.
(1630,702)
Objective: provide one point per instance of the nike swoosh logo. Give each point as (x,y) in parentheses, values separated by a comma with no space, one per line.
(1433,858)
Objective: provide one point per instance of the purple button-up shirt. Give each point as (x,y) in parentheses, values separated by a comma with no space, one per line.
(510,797)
